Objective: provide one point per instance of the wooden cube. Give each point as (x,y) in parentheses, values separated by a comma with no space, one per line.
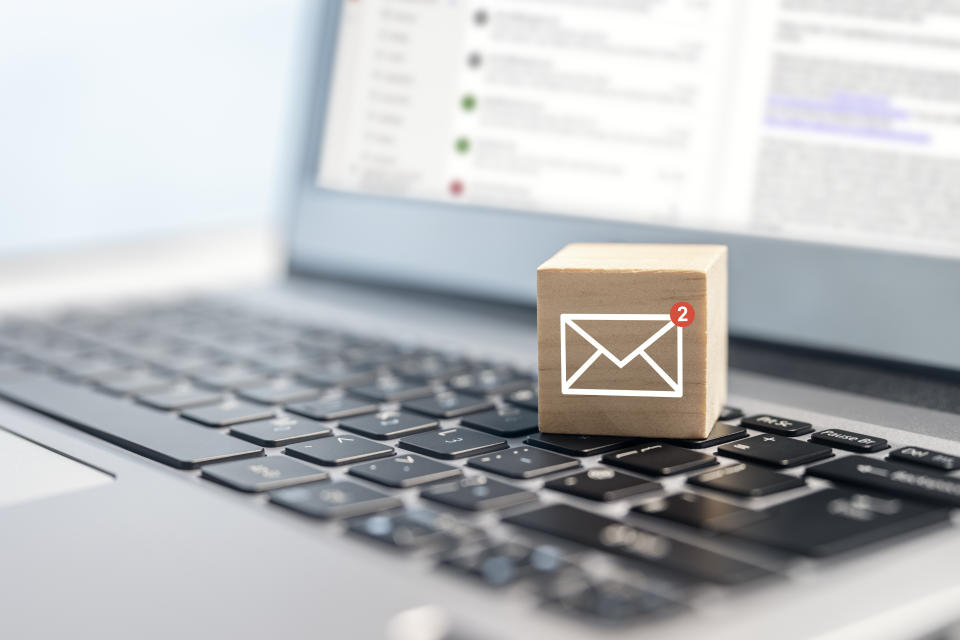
(633,339)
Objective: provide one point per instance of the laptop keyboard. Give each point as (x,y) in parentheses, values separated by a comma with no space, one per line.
(434,454)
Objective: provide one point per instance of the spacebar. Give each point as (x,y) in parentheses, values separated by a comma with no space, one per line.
(159,436)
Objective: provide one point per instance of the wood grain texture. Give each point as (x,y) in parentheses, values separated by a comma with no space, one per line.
(632,279)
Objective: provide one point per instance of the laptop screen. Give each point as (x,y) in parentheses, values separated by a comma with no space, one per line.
(832,121)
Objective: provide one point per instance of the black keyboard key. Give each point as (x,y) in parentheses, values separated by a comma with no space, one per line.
(926,458)
(506,421)
(746,480)
(389,389)
(857,442)
(836,520)
(448,405)
(184,360)
(775,451)
(230,375)
(228,413)
(524,462)
(720,434)
(266,473)
(605,600)
(142,380)
(574,445)
(602,484)
(699,511)
(94,365)
(730,413)
(404,471)
(182,397)
(603,533)
(280,431)
(477,493)
(334,407)
(280,391)
(340,374)
(164,438)
(456,442)
(501,564)
(343,499)
(777,425)
(429,367)
(486,381)
(414,529)
(526,398)
(891,478)
(659,459)
(389,424)
(339,450)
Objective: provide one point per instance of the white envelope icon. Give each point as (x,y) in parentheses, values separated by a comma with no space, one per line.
(571,319)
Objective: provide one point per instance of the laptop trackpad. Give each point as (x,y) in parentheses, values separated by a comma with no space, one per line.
(29,471)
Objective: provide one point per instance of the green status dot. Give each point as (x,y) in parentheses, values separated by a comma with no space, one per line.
(462,145)
(469,103)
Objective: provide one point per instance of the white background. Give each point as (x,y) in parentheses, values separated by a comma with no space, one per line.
(125,119)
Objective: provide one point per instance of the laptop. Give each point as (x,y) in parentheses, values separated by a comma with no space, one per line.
(354,452)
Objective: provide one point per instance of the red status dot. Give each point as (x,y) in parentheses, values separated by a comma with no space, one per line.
(682,314)
(456,187)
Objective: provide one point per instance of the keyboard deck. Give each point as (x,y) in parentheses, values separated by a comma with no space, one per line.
(436,455)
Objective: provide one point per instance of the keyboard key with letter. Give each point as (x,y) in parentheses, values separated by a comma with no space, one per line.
(777,425)
(926,458)
(857,442)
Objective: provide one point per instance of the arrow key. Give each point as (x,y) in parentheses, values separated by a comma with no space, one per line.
(405,471)
(338,450)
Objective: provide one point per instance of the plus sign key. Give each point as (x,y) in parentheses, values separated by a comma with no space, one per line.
(775,451)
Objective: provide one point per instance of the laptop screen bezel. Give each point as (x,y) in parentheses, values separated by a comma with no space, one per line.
(871,302)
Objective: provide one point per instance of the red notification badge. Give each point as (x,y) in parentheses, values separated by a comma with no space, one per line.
(682,314)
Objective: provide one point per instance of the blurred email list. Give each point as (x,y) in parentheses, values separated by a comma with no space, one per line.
(833,121)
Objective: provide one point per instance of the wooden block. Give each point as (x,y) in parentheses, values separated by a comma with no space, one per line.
(618,354)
